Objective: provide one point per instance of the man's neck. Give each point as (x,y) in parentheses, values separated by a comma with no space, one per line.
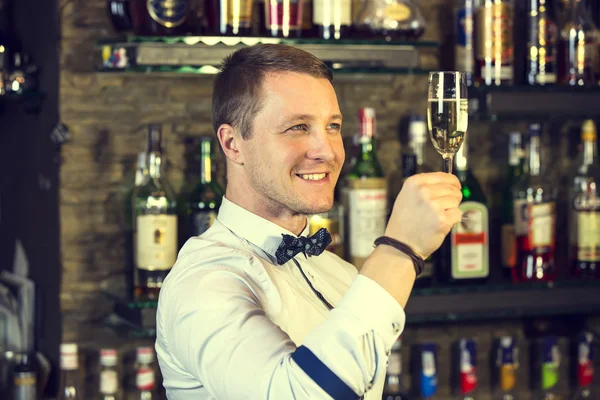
(293,222)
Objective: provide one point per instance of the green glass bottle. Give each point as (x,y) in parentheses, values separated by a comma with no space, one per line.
(465,252)
(155,223)
(367,193)
(203,201)
(516,165)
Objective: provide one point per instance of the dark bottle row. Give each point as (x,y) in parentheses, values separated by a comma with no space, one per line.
(336,19)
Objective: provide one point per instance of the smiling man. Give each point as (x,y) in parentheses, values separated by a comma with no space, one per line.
(253,308)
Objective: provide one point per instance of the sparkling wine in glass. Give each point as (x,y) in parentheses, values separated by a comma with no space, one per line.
(447,113)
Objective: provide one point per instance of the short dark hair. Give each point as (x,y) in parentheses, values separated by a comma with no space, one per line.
(237,94)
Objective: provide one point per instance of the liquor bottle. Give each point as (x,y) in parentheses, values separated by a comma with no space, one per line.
(109,376)
(145,378)
(413,163)
(495,47)
(390,19)
(120,14)
(466,383)
(464,256)
(464,49)
(16,79)
(155,223)
(542,67)
(367,193)
(424,370)
(332,18)
(228,17)
(548,368)
(507,364)
(393,388)
(516,161)
(333,221)
(24,378)
(283,18)
(69,364)
(204,200)
(535,218)
(585,208)
(578,47)
(160,18)
(583,366)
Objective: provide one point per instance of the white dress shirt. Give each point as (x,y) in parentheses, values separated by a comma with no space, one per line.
(232,323)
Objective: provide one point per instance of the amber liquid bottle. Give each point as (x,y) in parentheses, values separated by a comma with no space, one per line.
(228,17)
(160,18)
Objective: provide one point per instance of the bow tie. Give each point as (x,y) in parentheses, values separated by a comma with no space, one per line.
(312,245)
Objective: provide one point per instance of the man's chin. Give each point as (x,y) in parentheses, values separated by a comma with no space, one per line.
(322,207)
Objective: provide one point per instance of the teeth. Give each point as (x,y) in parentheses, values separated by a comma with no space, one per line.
(313,177)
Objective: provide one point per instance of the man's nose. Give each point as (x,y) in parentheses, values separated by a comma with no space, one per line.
(321,146)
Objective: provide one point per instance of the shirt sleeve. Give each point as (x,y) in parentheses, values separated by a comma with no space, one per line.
(215,328)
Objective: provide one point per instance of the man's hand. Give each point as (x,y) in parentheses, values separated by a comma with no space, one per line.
(425,211)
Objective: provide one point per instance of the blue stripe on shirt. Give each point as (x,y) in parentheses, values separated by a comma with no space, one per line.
(323,376)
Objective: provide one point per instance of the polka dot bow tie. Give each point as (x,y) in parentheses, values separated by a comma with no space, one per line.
(309,246)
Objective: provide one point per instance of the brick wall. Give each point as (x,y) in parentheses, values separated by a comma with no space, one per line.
(107,114)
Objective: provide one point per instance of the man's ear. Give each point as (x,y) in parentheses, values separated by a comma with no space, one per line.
(230,140)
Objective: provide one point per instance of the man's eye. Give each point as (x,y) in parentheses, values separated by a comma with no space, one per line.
(337,127)
(300,127)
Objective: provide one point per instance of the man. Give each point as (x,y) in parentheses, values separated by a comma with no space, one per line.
(243,316)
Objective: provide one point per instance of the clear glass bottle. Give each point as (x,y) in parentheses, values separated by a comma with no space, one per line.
(367,193)
(467,369)
(578,47)
(283,18)
(24,377)
(583,364)
(155,223)
(145,376)
(109,375)
(535,219)
(464,44)
(332,18)
(69,377)
(203,201)
(507,364)
(390,19)
(228,17)
(585,208)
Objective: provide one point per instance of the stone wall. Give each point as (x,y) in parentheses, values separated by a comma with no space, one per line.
(107,115)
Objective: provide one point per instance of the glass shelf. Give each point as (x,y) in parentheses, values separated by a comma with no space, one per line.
(203,54)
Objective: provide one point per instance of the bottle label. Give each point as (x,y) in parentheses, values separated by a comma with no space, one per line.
(541,225)
(156,244)
(168,13)
(507,361)
(332,12)
(109,382)
(201,221)
(464,40)
(283,14)
(332,225)
(69,361)
(550,364)
(397,12)
(521,217)
(239,12)
(495,48)
(586,227)
(395,364)
(25,387)
(368,210)
(470,246)
(144,379)
(509,246)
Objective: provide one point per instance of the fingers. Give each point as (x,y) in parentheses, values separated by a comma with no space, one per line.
(446,203)
(445,190)
(453,216)
(434,178)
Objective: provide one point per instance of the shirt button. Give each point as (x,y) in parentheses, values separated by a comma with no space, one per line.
(387,353)
(396,328)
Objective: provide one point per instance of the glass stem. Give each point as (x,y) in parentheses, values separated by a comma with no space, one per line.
(448,164)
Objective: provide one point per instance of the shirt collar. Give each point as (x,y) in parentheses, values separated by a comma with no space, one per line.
(255,229)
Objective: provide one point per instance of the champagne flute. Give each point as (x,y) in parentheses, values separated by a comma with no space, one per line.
(447,113)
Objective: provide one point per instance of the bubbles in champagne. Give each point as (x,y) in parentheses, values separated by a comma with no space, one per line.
(447,120)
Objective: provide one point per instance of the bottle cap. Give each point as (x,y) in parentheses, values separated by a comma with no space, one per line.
(145,355)
(535,129)
(588,131)
(108,357)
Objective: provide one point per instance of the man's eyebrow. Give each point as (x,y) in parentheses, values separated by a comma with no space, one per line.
(308,117)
